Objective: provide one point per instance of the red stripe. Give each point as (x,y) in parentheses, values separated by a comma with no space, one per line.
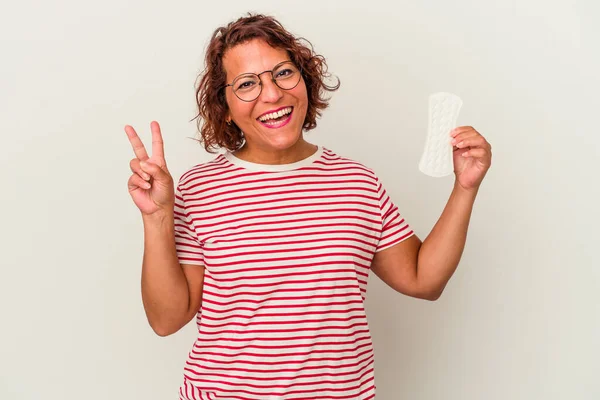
(205,201)
(332,303)
(314,226)
(286,221)
(287,298)
(281,267)
(293,184)
(230,384)
(290,337)
(206,313)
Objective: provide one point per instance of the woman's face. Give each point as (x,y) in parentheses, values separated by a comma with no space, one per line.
(257,56)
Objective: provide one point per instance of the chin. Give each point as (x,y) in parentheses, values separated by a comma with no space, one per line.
(280,139)
(285,142)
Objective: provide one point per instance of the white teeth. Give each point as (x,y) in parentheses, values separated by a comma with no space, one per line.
(274,115)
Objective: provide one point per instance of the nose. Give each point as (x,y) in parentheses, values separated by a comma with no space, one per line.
(271,93)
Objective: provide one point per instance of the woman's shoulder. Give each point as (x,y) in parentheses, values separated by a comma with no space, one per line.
(201,171)
(350,163)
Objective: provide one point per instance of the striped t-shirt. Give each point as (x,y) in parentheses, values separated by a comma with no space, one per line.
(287,251)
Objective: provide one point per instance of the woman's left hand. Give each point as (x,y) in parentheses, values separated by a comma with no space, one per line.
(472,156)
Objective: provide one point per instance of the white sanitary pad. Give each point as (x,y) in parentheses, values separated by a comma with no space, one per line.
(437,160)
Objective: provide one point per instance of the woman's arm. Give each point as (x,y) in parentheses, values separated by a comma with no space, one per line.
(441,251)
(422,269)
(171,292)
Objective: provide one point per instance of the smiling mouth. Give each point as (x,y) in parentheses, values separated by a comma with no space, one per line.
(279,115)
(276,119)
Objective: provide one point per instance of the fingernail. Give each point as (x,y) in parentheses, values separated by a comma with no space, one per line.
(146,176)
(143,164)
(147,185)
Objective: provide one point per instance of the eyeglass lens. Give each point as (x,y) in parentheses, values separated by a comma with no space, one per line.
(248,86)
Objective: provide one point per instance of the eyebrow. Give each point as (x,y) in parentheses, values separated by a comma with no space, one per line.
(256,73)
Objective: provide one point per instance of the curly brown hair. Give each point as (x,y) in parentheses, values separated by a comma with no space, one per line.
(210,96)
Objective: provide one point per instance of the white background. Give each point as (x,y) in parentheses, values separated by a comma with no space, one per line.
(519,320)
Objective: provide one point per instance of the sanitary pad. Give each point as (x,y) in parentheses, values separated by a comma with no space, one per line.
(437,160)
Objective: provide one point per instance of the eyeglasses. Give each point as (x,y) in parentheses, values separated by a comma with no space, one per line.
(247,87)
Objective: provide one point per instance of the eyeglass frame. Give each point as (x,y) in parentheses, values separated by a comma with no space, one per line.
(260,80)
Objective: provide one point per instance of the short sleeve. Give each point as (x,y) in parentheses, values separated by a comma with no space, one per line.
(394,228)
(189,247)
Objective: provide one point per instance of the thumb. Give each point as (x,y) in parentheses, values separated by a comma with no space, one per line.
(155,171)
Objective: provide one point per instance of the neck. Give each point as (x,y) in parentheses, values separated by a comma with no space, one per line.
(299,151)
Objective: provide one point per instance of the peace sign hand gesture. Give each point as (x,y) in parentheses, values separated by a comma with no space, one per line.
(151,185)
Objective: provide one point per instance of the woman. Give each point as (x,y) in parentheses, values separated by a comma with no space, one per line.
(270,244)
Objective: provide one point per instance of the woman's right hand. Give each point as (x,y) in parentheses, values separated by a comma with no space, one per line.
(151,185)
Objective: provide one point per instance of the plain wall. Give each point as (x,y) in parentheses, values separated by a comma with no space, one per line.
(520,319)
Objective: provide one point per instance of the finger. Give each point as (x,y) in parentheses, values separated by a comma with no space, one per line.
(136,182)
(461,129)
(138,146)
(466,133)
(475,153)
(472,141)
(158,149)
(135,167)
(155,171)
